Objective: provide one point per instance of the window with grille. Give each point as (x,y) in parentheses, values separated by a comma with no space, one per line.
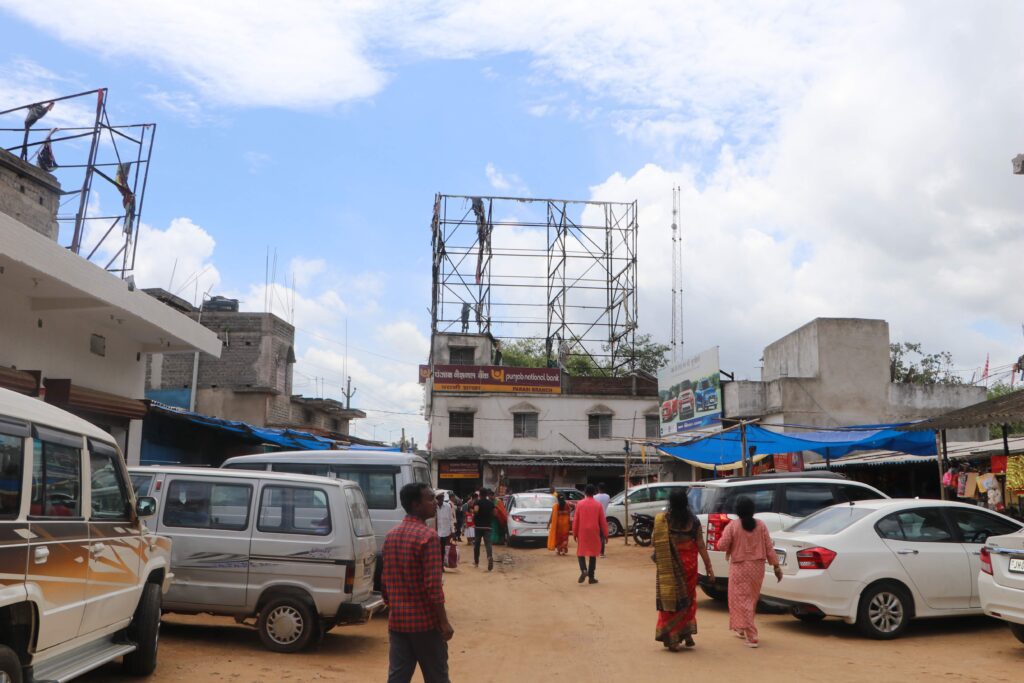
(460,424)
(600,426)
(462,355)
(652,426)
(524,425)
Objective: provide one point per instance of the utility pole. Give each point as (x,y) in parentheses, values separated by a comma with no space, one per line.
(403,439)
(349,393)
(677,278)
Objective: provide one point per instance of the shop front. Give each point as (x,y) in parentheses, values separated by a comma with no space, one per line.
(461,476)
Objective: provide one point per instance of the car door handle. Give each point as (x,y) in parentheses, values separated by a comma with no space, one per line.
(41,555)
(97,548)
(975,552)
(906,551)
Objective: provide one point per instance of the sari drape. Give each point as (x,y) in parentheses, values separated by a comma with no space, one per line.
(558,530)
(675,555)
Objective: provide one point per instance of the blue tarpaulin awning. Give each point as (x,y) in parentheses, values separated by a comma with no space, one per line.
(725,449)
(285,438)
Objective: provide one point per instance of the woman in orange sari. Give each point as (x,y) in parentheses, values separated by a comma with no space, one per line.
(678,540)
(558,528)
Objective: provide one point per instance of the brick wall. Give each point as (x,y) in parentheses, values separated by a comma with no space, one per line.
(29,194)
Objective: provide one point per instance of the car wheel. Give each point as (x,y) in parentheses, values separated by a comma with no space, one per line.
(715,593)
(1018,630)
(884,611)
(144,631)
(614,527)
(286,624)
(10,666)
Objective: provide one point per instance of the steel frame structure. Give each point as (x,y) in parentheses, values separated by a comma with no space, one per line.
(118,154)
(558,270)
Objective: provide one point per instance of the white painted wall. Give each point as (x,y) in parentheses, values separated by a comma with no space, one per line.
(561,419)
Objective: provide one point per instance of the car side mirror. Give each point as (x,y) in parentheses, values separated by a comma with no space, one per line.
(145,506)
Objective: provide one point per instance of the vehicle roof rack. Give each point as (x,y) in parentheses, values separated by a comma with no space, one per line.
(788,475)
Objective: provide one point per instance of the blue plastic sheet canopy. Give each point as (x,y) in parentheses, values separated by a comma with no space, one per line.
(285,438)
(724,449)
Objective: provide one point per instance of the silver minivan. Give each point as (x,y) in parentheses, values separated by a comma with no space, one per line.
(381,475)
(292,555)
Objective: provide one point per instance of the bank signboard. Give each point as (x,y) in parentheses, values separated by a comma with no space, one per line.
(494,378)
(690,393)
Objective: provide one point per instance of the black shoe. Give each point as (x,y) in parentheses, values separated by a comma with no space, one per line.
(490,565)
(583,577)
(592,580)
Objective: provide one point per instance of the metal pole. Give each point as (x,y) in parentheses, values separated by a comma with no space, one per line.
(625,498)
(83,202)
(743,448)
(939,450)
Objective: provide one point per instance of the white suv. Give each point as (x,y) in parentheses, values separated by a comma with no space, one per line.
(1001,581)
(779,501)
(82,576)
(648,499)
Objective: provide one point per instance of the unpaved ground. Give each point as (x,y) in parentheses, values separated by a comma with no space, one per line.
(530,621)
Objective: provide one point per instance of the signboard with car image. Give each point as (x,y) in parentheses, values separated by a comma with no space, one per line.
(690,393)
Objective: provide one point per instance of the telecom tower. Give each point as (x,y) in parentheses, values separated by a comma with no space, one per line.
(677,280)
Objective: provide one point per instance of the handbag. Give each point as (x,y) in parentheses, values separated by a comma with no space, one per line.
(453,556)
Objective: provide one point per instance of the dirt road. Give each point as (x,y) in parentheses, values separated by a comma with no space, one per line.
(530,621)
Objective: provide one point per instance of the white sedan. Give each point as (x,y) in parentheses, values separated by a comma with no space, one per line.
(1001,582)
(880,563)
(529,516)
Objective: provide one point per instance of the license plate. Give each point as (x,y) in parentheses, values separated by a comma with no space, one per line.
(1017,565)
(782,556)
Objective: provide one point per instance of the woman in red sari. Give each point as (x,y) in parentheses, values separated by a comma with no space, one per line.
(558,527)
(678,540)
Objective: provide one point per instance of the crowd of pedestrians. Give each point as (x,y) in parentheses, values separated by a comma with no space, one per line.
(412,576)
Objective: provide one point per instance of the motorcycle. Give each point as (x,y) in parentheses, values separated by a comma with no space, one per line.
(642,529)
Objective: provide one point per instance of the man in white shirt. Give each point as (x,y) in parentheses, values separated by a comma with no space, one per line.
(602,498)
(445,522)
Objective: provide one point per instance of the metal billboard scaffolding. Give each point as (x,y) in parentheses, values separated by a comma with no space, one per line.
(117,154)
(556,270)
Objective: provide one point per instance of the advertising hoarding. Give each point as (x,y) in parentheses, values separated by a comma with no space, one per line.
(690,393)
(494,378)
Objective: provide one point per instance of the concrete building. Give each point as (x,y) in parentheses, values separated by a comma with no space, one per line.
(835,372)
(72,333)
(492,425)
(251,381)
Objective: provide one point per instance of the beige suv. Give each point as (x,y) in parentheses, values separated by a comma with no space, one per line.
(81,578)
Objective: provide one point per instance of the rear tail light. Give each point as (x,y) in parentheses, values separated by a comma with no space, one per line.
(986,561)
(716,527)
(350,580)
(815,558)
(519,518)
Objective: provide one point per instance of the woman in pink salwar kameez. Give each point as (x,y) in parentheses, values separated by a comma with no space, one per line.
(748,545)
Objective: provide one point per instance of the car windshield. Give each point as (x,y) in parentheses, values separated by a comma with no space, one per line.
(534,500)
(830,520)
(695,494)
(617,498)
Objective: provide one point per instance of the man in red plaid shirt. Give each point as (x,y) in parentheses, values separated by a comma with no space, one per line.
(417,623)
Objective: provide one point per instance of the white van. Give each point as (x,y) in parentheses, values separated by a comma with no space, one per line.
(380,475)
(292,555)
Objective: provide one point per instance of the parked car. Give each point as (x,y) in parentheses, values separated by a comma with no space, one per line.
(293,555)
(1001,582)
(381,475)
(529,515)
(648,499)
(572,495)
(83,578)
(881,563)
(780,500)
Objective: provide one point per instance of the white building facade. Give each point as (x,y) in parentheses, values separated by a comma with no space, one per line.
(571,432)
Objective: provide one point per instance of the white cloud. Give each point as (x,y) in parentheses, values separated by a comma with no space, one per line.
(505,182)
(23,81)
(184,105)
(257,161)
(306,270)
(233,52)
(177,258)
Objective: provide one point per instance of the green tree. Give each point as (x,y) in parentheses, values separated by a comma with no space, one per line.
(523,353)
(647,355)
(995,391)
(909,364)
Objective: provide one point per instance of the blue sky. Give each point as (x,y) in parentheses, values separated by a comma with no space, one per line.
(848,159)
